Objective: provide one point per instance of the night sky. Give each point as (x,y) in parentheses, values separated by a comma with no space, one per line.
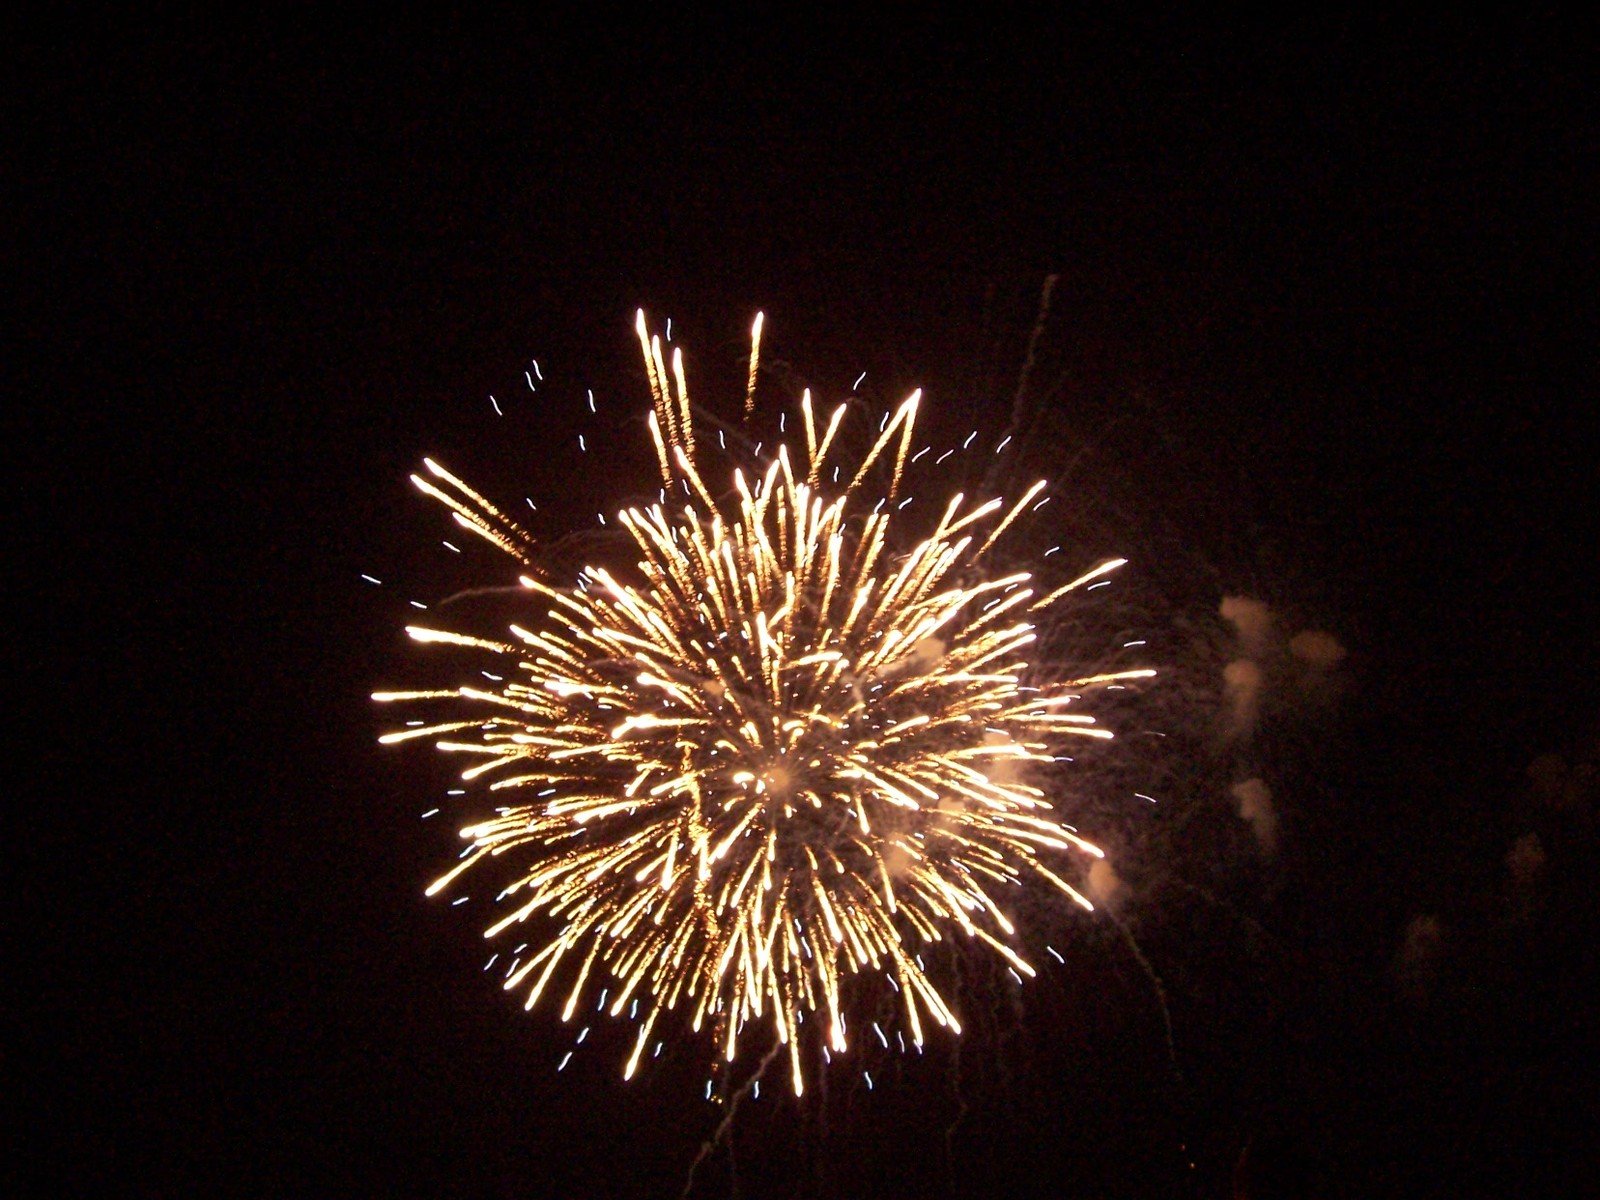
(1322,335)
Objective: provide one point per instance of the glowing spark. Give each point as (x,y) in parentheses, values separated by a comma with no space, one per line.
(769,749)
(755,362)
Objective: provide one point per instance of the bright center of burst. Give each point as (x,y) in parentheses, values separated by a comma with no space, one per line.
(778,781)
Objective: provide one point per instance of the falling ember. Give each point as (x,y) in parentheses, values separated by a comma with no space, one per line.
(777,753)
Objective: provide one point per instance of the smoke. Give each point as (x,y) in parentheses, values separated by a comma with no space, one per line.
(925,654)
(1567,788)
(1417,965)
(1105,885)
(1242,681)
(1266,668)
(1278,687)
(1253,622)
(1254,799)
(1525,865)
(1317,648)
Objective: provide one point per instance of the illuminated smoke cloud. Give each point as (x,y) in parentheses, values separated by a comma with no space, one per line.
(1105,885)
(1318,649)
(1253,622)
(1242,681)
(1525,866)
(1254,799)
(1417,965)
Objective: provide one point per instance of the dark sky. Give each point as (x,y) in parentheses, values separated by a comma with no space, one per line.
(1325,313)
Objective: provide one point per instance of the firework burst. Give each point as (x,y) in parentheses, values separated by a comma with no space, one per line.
(776,750)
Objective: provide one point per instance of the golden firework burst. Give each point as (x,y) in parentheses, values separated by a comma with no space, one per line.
(776,750)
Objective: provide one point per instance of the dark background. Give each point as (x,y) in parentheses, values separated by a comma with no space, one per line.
(1325,310)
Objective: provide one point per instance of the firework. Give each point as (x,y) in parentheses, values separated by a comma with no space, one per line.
(776,750)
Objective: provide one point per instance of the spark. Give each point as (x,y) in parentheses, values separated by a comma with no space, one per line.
(755,363)
(773,748)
